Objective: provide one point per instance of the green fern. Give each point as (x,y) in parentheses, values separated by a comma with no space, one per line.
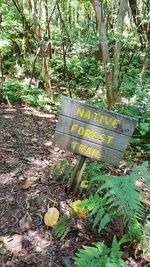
(124,197)
(63,226)
(97,208)
(99,255)
(121,197)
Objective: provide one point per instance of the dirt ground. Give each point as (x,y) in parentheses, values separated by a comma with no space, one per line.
(27,157)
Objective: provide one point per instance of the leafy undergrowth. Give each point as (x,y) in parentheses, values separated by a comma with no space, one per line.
(33,177)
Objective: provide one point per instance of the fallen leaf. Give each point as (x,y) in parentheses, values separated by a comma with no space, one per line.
(15,245)
(27,183)
(25,222)
(51,217)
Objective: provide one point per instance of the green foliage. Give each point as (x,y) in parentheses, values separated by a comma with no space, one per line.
(99,255)
(117,196)
(62,169)
(63,226)
(14,90)
(135,231)
(144,127)
(59,168)
(3,250)
(145,240)
(94,169)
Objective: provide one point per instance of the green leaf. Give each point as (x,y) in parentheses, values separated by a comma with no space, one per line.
(2,250)
(104,222)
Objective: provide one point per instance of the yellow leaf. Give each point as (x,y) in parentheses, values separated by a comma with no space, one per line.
(80,211)
(51,217)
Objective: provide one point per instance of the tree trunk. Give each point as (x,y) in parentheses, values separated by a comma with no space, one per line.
(117,50)
(1,76)
(145,61)
(48,32)
(104,47)
(47,83)
(137,20)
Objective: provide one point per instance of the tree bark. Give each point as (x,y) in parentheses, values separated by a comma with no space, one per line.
(137,20)
(145,61)
(47,82)
(104,47)
(48,32)
(1,76)
(117,50)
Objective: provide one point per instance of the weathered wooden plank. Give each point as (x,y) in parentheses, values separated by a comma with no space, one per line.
(88,149)
(94,134)
(98,117)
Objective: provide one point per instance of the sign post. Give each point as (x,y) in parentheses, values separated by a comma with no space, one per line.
(92,132)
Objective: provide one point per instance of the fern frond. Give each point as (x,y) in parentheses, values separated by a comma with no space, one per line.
(116,254)
(126,196)
(95,256)
(100,255)
(105,220)
(122,198)
(62,228)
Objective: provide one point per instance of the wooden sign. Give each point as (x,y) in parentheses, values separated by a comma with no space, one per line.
(93,132)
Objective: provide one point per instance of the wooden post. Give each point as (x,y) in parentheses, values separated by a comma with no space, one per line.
(77,174)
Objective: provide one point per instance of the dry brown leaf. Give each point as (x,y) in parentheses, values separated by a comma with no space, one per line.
(51,217)
(27,183)
(25,222)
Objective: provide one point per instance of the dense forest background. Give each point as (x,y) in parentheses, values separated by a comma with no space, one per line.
(97,51)
(90,49)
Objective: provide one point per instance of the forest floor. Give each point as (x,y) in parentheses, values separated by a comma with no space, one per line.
(27,157)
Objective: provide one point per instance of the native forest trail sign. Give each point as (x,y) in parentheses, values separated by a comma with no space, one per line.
(93,132)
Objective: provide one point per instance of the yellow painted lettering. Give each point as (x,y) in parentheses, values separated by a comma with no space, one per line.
(102,138)
(74,144)
(87,133)
(95,116)
(107,120)
(93,151)
(81,148)
(101,119)
(97,155)
(115,123)
(88,115)
(94,135)
(80,112)
(81,130)
(73,126)
(88,150)
(109,139)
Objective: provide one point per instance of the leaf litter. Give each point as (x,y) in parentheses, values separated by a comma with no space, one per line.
(27,159)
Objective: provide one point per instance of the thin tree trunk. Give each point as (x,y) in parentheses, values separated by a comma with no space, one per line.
(137,20)
(104,47)
(145,61)
(33,65)
(1,75)
(48,32)
(47,82)
(117,51)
